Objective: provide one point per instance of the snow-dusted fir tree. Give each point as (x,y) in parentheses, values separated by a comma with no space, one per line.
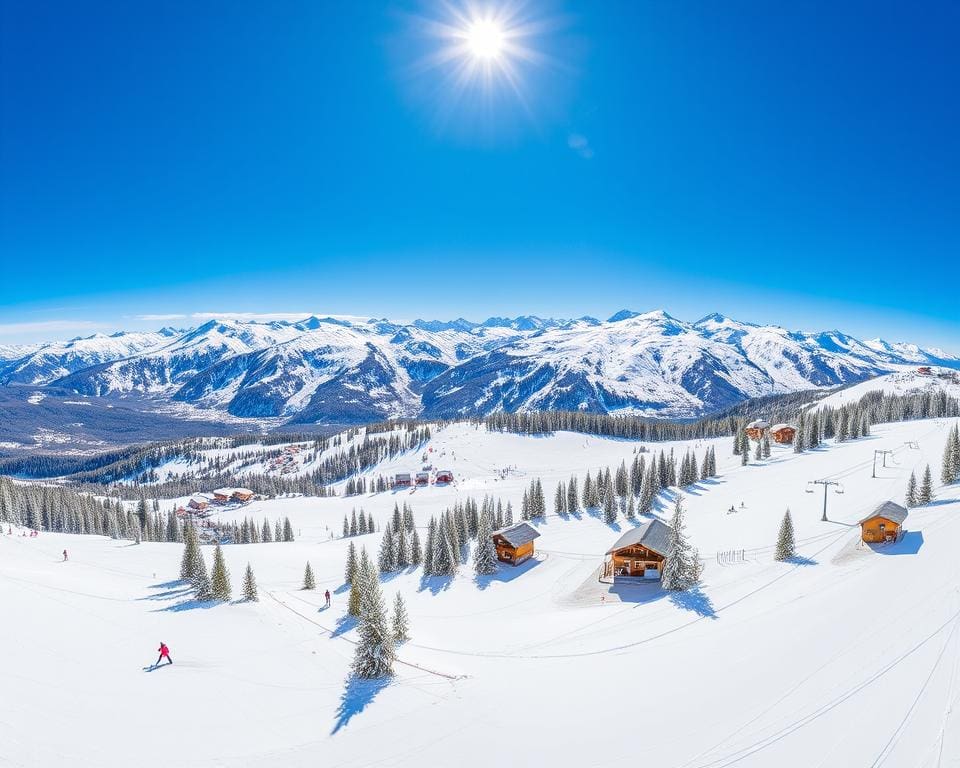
(508,516)
(386,558)
(766,445)
(416,549)
(786,545)
(192,558)
(220,576)
(351,567)
(911,498)
(485,555)
(631,509)
(682,568)
(361,578)
(401,622)
(401,542)
(376,647)
(950,470)
(609,502)
(266,533)
(926,487)
(203,588)
(444,560)
(309,582)
(287,530)
(249,585)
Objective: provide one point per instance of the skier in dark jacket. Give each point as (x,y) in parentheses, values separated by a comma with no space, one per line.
(327,596)
(164,654)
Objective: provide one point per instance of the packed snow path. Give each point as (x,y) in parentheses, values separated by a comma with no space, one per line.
(845,657)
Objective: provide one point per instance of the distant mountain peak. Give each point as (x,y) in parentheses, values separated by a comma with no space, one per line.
(623,314)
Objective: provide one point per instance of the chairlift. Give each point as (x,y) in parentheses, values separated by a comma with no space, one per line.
(838,489)
(810,488)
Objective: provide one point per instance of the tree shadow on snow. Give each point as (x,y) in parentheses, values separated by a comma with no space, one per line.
(435,584)
(341,589)
(169,584)
(344,624)
(189,605)
(694,600)
(800,560)
(356,697)
(506,572)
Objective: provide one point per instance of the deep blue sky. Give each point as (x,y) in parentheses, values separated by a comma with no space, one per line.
(796,163)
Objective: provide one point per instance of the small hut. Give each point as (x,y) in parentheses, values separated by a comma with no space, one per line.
(515,544)
(885,523)
(198,503)
(783,433)
(241,494)
(444,476)
(755,429)
(423,478)
(401,479)
(640,553)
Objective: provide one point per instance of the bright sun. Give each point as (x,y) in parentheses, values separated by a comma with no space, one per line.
(485,39)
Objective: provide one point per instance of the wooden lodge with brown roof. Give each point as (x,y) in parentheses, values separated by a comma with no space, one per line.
(884,524)
(639,554)
(783,433)
(515,544)
(755,429)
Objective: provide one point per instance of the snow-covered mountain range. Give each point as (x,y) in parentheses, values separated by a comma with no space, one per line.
(334,370)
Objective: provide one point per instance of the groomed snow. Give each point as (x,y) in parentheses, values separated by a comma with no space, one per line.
(845,657)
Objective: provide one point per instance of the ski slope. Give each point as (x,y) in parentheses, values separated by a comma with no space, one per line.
(845,657)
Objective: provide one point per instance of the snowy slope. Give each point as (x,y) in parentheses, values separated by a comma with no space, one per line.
(846,657)
(354,370)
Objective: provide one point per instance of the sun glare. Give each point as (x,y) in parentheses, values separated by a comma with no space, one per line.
(485,39)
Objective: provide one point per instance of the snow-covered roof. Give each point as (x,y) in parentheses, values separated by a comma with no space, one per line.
(243,491)
(519,534)
(653,535)
(889,510)
(758,424)
(223,492)
(404,475)
(778,427)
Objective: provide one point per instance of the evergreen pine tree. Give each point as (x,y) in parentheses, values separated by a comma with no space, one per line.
(401,622)
(308,581)
(786,546)
(682,568)
(220,576)
(351,567)
(376,646)
(189,563)
(926,487)
(287,530)
(485,554)
(249,585)
(201,581)
(911,499)
(416,550)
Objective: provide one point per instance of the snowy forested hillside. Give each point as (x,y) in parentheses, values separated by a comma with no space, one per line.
(843,655)
(332,370)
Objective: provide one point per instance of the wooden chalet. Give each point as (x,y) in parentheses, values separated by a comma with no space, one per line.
(198,504)
(515,544)
(241,494)
(222,495)
(783,433)
(423,478)
(885,523)
(755,429)
(444,476)
(639,554)
(402,479)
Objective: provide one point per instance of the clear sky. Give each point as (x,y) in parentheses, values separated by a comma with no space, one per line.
(796,163)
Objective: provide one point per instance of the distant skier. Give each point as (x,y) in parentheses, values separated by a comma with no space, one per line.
(164,654)
(327,596)
(64,555)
